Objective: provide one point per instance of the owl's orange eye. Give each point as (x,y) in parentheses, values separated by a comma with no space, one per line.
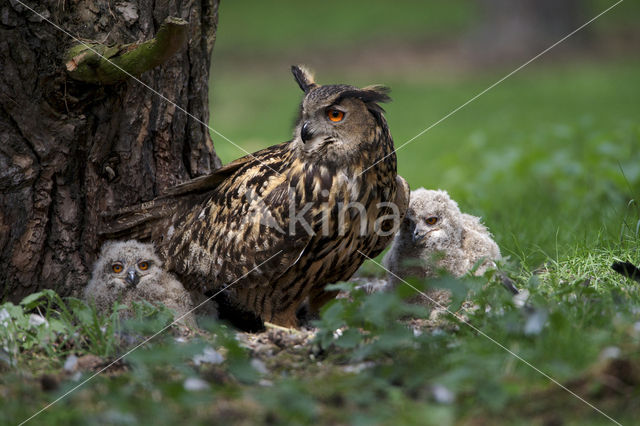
(117,267)
(335,115)
(432,220)
(143,266)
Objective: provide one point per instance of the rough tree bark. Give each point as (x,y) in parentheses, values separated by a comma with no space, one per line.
(523,28)
(70,150)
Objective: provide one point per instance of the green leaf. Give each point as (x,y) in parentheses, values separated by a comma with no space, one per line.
(36,299)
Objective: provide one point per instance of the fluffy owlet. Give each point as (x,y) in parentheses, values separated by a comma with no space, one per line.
(278,225)
(436,235)
(128,271)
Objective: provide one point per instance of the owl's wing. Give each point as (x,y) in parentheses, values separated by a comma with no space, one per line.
(152,220)
(208,182)
(244,232)
(402,202)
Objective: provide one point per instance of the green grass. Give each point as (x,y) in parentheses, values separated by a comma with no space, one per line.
(580,318)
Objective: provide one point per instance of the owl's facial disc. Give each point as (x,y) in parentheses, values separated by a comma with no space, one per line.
(334,131)
(426,231)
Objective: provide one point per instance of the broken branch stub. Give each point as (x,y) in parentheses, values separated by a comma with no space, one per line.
(100,64)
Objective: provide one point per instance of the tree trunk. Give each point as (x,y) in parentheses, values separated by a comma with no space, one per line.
(70,150)
(523,28)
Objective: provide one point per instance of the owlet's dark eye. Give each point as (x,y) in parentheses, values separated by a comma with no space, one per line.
(117,267)
(431,220)
(143,266)
(335,115)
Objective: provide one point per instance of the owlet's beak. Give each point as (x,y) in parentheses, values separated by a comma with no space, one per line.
(418,235)
(132,277)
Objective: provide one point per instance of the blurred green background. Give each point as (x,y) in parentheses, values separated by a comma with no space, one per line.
(549,157)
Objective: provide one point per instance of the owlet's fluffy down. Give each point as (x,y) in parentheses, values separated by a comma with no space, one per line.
(436,235)
(128,271)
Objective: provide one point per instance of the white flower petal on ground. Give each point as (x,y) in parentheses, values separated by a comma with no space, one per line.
(535,322)
(4,317)
(610,352)
(259,366)
(442,394)
(195,384)
(36,320)
(521,298)
(337,333)
(357,368)
(208,356)
(71,363)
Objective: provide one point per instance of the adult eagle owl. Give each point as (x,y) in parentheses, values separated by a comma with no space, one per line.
(281,223)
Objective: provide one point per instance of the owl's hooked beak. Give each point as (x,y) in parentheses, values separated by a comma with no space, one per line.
(418,236)
(305,132)
(132,277)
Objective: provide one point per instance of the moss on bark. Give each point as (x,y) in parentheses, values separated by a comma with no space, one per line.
(100,64)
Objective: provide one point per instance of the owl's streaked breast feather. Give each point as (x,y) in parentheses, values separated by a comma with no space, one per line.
(222,229)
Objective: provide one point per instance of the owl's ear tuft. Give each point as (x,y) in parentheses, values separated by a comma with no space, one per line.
(304,78)
(368,95)
(375,93)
